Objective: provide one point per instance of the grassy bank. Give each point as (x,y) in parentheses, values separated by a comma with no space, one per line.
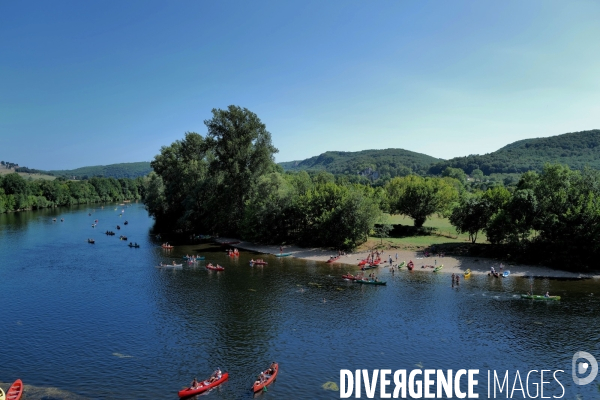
(437,231)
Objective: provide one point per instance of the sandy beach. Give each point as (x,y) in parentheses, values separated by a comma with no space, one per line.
(457,265)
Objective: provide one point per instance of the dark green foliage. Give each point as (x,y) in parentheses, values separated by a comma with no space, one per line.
(17,193)
(228,184)
(386,163)
(576,149)
(123,170)
(203,183)
(419,197)
(294,208)
(552,217)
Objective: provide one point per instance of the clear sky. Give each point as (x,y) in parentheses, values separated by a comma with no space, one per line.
(101,82)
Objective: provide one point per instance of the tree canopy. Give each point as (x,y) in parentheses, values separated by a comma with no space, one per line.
(419,197)
(226,183)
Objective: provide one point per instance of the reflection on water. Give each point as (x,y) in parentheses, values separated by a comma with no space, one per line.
(100,321)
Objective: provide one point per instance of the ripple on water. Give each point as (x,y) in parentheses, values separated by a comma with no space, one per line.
(77,317)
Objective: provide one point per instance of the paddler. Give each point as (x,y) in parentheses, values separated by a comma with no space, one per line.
(194,384)
(216,375)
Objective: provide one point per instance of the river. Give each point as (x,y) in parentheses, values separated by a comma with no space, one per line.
(100,321)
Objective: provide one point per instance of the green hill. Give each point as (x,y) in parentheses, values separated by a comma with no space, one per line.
(576,149)
(123,170)
(374,163)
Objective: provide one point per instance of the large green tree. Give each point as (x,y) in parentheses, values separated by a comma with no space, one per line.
(242,153)
(419,197)
(203,183)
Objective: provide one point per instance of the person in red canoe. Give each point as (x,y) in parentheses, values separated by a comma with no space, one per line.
(271,369)
(261,378)
(216,375)
(194,384)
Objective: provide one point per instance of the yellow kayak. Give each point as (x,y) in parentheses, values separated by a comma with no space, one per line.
(468,273)
(2,394)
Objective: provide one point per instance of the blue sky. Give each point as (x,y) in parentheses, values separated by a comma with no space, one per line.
(101,82)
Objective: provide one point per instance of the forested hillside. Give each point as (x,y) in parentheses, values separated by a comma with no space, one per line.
(386,163)
(576,149)
(123,170)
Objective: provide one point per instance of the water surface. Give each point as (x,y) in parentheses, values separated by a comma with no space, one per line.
(101,321)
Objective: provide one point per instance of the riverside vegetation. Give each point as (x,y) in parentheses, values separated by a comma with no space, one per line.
(227,183)
(17,193)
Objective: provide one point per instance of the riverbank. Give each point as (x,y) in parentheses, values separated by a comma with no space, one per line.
(452,264)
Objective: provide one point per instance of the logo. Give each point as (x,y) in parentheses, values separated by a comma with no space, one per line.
(582,367)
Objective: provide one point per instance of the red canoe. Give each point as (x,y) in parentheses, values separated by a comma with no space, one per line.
(333,259)
(217,268)
(349,276)
(203,386)
(258,262)
(259,386)
(15,391)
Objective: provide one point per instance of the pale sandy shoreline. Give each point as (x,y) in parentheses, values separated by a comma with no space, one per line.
(452,264)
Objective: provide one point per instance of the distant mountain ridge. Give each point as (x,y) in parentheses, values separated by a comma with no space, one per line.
(388,162)
(575,149)
(122,170)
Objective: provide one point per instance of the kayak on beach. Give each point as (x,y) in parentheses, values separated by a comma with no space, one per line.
(467,273)
(15,390)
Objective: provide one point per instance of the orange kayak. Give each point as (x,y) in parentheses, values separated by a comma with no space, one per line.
(270,378)
(15,391)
